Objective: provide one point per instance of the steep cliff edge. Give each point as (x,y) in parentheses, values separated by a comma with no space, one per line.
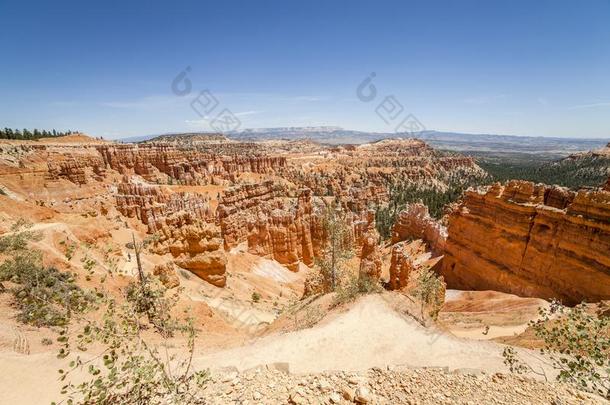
(531,240)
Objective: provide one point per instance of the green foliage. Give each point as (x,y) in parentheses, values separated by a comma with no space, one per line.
(133,367)
(69,248)
(25,134)
(148,298)
(434,198)
(337,247)
(354,287)
(588,171)
(428,290)
(43,295)
(577,342)
(256,297)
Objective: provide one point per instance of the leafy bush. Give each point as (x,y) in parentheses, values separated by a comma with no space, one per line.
(43,295)
(429,290)
(577,342)
(355,286)
(136,368)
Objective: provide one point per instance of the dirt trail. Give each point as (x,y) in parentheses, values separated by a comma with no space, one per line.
(370,334)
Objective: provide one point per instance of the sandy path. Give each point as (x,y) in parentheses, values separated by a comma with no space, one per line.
(370,334)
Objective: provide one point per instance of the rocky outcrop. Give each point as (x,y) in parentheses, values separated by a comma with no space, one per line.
(531,240)
(408,258)
(197,247)
(181,224)
(409,262)
(152,205)
(414,222)
(370,254)
(241,205)
(167,275)
(188,166)
(285,230)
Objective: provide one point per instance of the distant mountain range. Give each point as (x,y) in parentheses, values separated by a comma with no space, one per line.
(475,144)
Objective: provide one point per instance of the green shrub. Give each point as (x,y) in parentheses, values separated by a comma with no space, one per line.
(355,286)
(44,296)
(576,341)
(137,368)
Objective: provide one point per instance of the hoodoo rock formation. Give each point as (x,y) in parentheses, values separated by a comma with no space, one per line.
(531,240)
(197,246)
(286,231)
(414,222)
(154,207)
(183,225)
(186,166)
(408,261)
(408,258)
(370,254)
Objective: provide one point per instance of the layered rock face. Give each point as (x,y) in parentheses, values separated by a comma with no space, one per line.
(183,224)
(287,232)
(184,165)
(196,246)
(153,206)
(414,222)
(531,240)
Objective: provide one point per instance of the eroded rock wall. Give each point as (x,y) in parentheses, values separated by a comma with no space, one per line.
(531,240)
(181,224)
(275,227)
(414,222)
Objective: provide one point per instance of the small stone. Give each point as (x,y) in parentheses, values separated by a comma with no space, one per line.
(347,394)
(324,386)
(335,398)
(363,395)
(257,396)
(297,397)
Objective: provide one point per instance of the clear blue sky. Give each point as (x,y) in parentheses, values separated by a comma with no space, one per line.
(106,67)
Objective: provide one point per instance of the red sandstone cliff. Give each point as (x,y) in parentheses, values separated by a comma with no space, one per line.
(531,240)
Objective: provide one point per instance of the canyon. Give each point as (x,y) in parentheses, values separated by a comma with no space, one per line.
(240,233)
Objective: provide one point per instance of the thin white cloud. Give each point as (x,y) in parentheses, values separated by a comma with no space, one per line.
(244,113)
(592,105)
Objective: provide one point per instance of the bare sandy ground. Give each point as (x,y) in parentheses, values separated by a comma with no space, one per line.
(370,334)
